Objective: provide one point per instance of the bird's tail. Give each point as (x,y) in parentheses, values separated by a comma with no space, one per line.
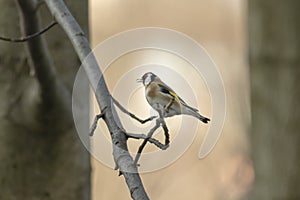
(202,118)
(194,112)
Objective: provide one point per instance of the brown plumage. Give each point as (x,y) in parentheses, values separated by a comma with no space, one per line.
(161,97)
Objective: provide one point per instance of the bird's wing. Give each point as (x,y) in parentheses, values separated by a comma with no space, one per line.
(167,90)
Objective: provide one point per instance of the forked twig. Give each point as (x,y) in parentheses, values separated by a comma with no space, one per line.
(96,119)
(159,121)
(142,146)
(130,114)
(148,137)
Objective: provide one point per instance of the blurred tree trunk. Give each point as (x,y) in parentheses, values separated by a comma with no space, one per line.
(41,156)
(275,71)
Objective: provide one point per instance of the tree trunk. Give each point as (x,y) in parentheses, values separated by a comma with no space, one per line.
(41,156)
(275,61)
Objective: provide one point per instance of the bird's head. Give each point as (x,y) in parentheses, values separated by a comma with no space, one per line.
(147,78)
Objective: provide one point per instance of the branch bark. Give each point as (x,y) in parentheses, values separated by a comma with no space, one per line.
(81,45)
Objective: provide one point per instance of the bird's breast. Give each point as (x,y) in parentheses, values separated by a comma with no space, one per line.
(151,93)
(154,96)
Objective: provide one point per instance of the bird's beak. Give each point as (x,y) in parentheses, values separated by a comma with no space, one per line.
(139,80)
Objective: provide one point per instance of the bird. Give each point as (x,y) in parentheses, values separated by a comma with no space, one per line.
(163,99)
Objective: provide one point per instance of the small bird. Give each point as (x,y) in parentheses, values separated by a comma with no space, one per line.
(162,98)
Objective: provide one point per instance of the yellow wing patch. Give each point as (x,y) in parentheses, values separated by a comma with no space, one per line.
(177,98)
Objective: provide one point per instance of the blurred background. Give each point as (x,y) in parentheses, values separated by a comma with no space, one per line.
(221,28)
(255,45)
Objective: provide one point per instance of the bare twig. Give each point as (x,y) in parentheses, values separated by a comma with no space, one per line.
(119,140)
(136,136)
(159,121)
(166,132)
(96,119)
(26,38)
(158,143)
(163,123)
(142,146)
(151,140)
(147,138)
(131,114)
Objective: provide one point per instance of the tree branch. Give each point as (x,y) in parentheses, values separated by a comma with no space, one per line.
(120,151)
(28,37)
(131,114)
(149,138)
(96,119)
(164,125)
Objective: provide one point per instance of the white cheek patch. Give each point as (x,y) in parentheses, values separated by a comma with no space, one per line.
(147,80)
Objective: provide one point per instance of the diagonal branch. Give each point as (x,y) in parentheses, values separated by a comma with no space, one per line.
(142,146)
(131,114)
(81,45)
